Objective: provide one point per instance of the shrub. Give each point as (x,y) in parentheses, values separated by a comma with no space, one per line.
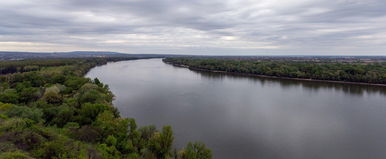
(89,112)
(52,97)
(34,114)
(9,96)
(88,133)
(14,155)
(15,124)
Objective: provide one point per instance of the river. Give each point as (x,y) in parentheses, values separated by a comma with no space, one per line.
(251,118)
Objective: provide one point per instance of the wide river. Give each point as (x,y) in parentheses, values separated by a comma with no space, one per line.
(251,118)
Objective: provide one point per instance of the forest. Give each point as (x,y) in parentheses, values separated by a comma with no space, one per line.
(372,73)
(49,110)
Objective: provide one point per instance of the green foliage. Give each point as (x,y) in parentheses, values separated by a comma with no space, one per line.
(9,96)
(52,97)
(5,106)
(74,83)
(29,94)
(147,132)
(61,148)
(89,112)
(87,133)
(34,114)
(97,82)
(27,139)
(14,155)
(71,125)
(62,115)
(92,93)
(90,96)
(15,124)
(161,143)
(109,152)
(58,78)
(111,125)
(111,141)
(196,151)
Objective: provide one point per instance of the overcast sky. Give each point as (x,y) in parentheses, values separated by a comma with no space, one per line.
(229,27)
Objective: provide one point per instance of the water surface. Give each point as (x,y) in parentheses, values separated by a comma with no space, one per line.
(251,118)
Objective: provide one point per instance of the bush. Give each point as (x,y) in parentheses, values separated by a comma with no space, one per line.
(9,96)
(25,140)
(14,155)
(61,148)
(63,115)
(29,94)
(34,114)
(87,133)
(15,124)
(52,97)
(111,125)
(89,112)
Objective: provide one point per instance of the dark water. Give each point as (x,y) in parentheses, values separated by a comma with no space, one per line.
(250,118)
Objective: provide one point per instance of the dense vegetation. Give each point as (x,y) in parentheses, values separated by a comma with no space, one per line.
(319,70)
(49,110)
(7,67)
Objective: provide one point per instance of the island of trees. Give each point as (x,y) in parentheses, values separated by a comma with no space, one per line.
(49,110)
(327,69)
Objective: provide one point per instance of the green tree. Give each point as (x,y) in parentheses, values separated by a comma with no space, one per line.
(63,115)
(29,94)
(34,114)
(196,151)
(161,143)
(88,133)
(61,148)
(9,96)
(52,97)
(89,112)
(112,126)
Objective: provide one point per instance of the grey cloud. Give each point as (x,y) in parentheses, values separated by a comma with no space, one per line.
(200,26)
(162,12)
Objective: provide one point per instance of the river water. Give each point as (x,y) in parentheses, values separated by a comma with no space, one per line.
(251,118)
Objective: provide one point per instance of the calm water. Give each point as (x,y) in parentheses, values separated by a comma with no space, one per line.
(250,118)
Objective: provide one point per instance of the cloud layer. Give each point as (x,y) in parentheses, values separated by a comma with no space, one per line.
(229,27)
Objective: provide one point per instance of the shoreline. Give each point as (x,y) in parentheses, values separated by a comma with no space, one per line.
(276,77)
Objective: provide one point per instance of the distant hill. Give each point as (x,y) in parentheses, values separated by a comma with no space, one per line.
(9,55)
(93,53)
(12,55)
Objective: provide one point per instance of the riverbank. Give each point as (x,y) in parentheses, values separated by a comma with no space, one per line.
(273,77)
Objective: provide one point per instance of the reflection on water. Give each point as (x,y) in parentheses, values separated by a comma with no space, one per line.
(248,117)
(351,89)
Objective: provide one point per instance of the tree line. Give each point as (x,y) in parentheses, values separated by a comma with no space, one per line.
(350,72)
(28,65)
(54,112)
